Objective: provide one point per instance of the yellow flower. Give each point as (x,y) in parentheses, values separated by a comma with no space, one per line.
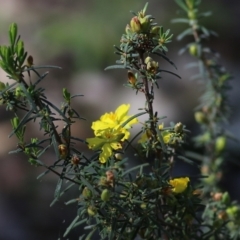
(167,137)
(179,185)
(114,121)
(109,140)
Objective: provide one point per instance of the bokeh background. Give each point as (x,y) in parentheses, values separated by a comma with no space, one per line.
(79,36)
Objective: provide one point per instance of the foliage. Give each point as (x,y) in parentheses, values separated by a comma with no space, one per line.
(116,202)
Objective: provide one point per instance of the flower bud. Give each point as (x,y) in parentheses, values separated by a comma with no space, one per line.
(29,61)
(87,193)
(63,151)
(18,92)
(220,144)
(147,60)
(178,128)
(193,50)
(92,210)
(110,176)
(143,205)
(105,195)
(217,196)
(226,198)
(155,31)
(145,23)
(152,66)
(135,25)
(118,156)
(75,160)
(200,117)
(233,211)
(131,78)
(222,215)
(103,181)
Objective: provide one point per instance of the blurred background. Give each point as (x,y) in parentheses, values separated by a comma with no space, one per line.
(79,36)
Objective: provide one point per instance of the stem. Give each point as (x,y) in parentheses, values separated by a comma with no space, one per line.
(149,100)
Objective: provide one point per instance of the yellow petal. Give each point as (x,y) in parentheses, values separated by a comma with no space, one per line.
(95,143)
(106,153)
(116,145)
(179,184)
(122,111)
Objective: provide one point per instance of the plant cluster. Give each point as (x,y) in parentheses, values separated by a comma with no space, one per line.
(146,200)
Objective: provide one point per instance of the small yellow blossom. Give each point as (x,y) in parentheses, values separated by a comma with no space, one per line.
(110,131)
(179,185)
(115,120)
(109,140)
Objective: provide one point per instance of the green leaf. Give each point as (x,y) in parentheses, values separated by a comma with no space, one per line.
(70,226)
(87,184)
(161,70)
(135,168)
(13,33)
(116,67)
(43,174)
(182,5)
(133,117)
(186,32)
(24,120)
(58,188)
(145,8)
(66,95)
(180,20)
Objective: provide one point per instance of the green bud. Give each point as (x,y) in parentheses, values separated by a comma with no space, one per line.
(103,181)
(135,25)
(13,33)
(92,210)
(87,193)
(155,31)
(233,211)
(178,128)
(147,60)
(105,195)
(220,144)
(200,117)
(143,205)
(193,50)
(204,138)
(18,92)
(226,198)
(118,156)
(145,23)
